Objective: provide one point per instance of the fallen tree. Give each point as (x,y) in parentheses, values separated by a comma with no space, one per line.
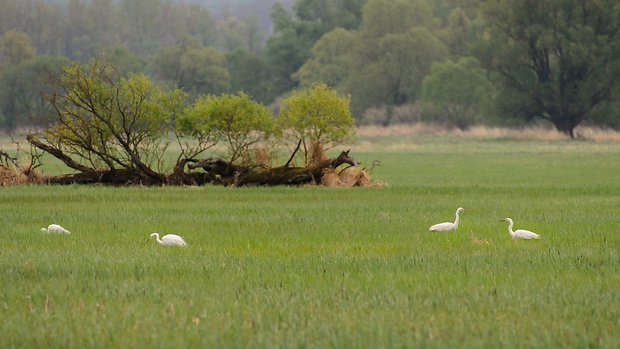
(229,174)
(214,171)
(116,130)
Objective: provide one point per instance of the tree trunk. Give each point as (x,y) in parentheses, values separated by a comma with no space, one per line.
(58,155)
(228,174)
(566,125)
(140,175)
(216,171)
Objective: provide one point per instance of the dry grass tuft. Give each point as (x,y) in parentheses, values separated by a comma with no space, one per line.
(476,241)
(598,134)
(10,177)
(350,177)
(332,179)
(262,156)
(530,133)
(317,154)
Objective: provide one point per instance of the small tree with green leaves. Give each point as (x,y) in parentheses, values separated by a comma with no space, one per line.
(104,122)
(235,121)
(316,118)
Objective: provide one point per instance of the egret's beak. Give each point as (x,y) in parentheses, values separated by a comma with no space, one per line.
(502,220)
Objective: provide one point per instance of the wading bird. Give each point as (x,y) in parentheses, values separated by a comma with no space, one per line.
(168,240)
(520,233)
(55,229)
(448,226)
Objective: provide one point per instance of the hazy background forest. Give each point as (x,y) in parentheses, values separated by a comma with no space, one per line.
(456,63)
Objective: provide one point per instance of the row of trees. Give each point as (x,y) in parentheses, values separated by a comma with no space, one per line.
(117,129)
(452,62)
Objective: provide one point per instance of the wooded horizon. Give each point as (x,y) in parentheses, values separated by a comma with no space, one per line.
(458,64)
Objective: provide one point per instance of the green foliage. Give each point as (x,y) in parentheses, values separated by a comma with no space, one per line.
(401,53)
(316,118)
(236,121)
(249,73)
(151,25)
(285,50)
(21,101)
(454,93)
(290,45)
(111,121)
(444,10)
(556,60)
(15,47)
(461,31)
(196,69)
(331,56)
(320,16)
(404,60)
(384,17)
(544,63)
(607,115)
(124,60)
(381,64)
(234,33)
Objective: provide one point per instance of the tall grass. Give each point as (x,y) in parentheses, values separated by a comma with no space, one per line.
(329,267)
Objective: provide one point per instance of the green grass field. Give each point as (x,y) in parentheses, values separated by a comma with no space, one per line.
(320,267)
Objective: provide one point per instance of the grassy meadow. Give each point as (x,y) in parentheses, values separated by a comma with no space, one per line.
(317,267)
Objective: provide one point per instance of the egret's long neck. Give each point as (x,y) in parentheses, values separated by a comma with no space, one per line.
(158,239)
(456,221)
(510,223)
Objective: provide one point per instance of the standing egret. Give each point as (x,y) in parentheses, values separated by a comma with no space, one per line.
(520,233)
(55,229)
(168,240)
(447,226)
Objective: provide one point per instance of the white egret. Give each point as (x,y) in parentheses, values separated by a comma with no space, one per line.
(168,240)
(447,226)
(519,233)
(55,229)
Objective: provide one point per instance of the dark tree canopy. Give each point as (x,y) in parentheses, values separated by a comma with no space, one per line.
(558,60)
(294,34)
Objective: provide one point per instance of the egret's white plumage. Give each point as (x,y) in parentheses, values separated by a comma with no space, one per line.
(519,233)
(168,240)
(55,229)
(448,226)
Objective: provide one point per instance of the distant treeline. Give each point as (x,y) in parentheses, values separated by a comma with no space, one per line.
(451,62)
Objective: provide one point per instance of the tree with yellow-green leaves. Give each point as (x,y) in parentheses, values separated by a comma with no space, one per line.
(234,121)
(115,129)
(106,125)
(315,119)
